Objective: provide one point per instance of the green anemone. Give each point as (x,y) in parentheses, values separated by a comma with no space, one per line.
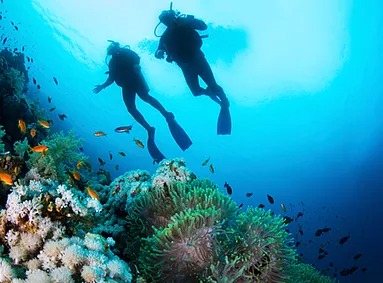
(306,273)
(183,249)
(258,245)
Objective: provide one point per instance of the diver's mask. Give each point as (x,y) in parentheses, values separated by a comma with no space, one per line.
(112,48)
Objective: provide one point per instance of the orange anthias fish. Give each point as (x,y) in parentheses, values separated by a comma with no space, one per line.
(40,148)
(6,178)
(76,175)
(44,124)
(33,132)
(79,164)
(92,193)
(139,143)
(99,134)
(22,126)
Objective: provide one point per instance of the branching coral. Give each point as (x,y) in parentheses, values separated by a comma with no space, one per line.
(21,147)
(172,171)
(62,155)
(2,134)
(12,83)
(36,227)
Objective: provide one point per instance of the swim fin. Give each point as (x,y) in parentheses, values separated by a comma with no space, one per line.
(224,121)
(179,134)
(152,147)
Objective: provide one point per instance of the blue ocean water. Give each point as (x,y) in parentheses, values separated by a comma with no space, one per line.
(313,143)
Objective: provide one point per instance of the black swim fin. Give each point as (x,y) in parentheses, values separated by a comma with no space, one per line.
(224,121)
(179,134)
(154,152)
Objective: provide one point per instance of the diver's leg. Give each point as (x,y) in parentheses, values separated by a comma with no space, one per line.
(145,96)
(130,102)
(213,88)
(143,92)
(191,78)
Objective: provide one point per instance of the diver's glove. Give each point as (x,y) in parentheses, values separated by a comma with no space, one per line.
(98,88)
(160,54)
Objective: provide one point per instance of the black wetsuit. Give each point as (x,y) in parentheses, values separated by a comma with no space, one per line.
(125,71)
(182,43)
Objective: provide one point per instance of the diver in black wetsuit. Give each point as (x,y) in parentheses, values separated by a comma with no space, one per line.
(124,69)
(182,44)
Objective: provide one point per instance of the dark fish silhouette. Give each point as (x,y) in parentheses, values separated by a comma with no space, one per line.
(240,205)
(5,40)
(357,256)
(270,199)
(344,239)
(326,229)
(38,86)
(321,256)
(249,194)
(34,81)
(228,188)
(62,116)
(52,109)
(319,232)
(261,205)
(300,214)
(49,99)
(110,156)
(348,271)
(122,153)
(55,80)
(205,162)
(102,162)
(287,219)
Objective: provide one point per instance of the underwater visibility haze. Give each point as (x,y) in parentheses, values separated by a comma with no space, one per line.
(296,182)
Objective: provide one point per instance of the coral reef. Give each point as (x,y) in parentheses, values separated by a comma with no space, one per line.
(170,227)
(38,229)
(61,157)
(256,249)
(306,273)
(15,104)
(172,171)
(2,134)
(172,230)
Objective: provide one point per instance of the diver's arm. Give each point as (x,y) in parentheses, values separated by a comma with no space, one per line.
(160,52)
(107,83)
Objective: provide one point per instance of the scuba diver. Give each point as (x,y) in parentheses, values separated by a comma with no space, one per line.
(182,44)
(125,70)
